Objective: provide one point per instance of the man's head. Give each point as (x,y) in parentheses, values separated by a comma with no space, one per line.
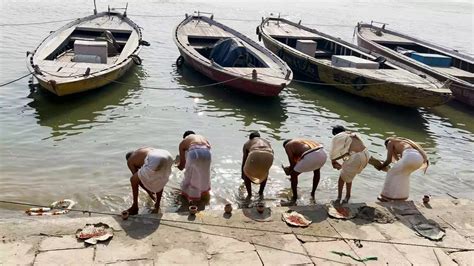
(187,133)
(254,134)
(387,141)
(286,142)
(338,129)
(128,155)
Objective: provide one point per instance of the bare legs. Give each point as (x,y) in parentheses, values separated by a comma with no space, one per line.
(340,186)
(316,177)
(294,185)
(135,183)
(248,186)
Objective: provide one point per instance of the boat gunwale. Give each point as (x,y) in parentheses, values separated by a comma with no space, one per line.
(407,60)
(435,85)
(97,74)
(241,36)
(428,44)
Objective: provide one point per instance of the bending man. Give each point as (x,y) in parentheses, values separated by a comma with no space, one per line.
(256,162)
(304,156)
(408,157)
(195,157)
(150,169)
(349,147)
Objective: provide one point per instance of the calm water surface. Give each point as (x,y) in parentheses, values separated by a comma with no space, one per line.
(74,147)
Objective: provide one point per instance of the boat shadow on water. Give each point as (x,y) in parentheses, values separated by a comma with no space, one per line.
(74,114)
(268,112)
(368,116)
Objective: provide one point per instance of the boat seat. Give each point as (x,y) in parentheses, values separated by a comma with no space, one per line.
(112,46)
(323,54)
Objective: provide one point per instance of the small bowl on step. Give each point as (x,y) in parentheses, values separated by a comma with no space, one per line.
(193,209)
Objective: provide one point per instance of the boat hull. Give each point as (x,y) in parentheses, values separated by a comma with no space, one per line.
(84,84)
(408,96)
(462,91)
(242,84)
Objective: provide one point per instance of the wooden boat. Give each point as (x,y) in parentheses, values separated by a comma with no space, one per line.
(324,58)
(439,62)
(86,53)
(227,56)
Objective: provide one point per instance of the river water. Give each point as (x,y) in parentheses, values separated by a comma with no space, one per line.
(74,147)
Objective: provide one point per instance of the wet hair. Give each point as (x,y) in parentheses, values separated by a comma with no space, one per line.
(338,129)
(128,155)
(187,133)
(286,142)
(254,134)
(386,141)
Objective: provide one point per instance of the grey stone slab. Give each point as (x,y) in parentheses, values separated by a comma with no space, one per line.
(443,258)
(122,248)
(356,228)
(321,252)
(280,249)
(386,253)
(181,256)
(321,231)
(249,258)
(221,244)
(455,240)
(139,262)
(396,231)
(463,258)
(417,255)
(16,253)
(66,257)
(64,242)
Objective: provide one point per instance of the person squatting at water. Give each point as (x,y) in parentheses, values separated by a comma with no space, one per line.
(195,157)
(408,157)
(150,169)
(304,156)
(348,146)
(256,162)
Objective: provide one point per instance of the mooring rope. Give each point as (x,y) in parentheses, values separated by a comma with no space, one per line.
(245,228)
(15,80)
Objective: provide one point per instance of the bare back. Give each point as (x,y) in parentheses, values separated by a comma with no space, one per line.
(137,159)
(296,147)
(257,144)
(356,145)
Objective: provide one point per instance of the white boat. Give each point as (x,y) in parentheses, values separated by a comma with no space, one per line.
(87,53)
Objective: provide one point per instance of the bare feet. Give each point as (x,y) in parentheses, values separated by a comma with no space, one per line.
(133,210)
(337,201)
(312,194)
(155,210)
(380,198)
(346,200)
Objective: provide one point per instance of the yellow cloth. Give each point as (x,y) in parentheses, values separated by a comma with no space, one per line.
(258,164)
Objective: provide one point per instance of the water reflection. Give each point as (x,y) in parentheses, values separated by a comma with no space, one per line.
(227,102)
(368,116)
(459,115)
(74,114)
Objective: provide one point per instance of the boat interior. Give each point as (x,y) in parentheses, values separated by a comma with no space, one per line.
(219,45)
(321,48)
(91,45)
(435,58)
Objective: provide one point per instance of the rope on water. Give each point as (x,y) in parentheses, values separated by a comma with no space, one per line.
(35,23)
(245,228)
(15,80)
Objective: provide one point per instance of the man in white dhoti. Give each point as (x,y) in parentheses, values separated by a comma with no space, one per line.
(408,157)
(195,157)
(150,169)
(349,147)
(304,155)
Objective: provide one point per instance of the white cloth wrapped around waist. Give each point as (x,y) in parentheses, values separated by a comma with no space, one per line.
(197,176)
(156,169)
(397,182)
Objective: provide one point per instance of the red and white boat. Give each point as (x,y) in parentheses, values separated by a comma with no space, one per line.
(227,56)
